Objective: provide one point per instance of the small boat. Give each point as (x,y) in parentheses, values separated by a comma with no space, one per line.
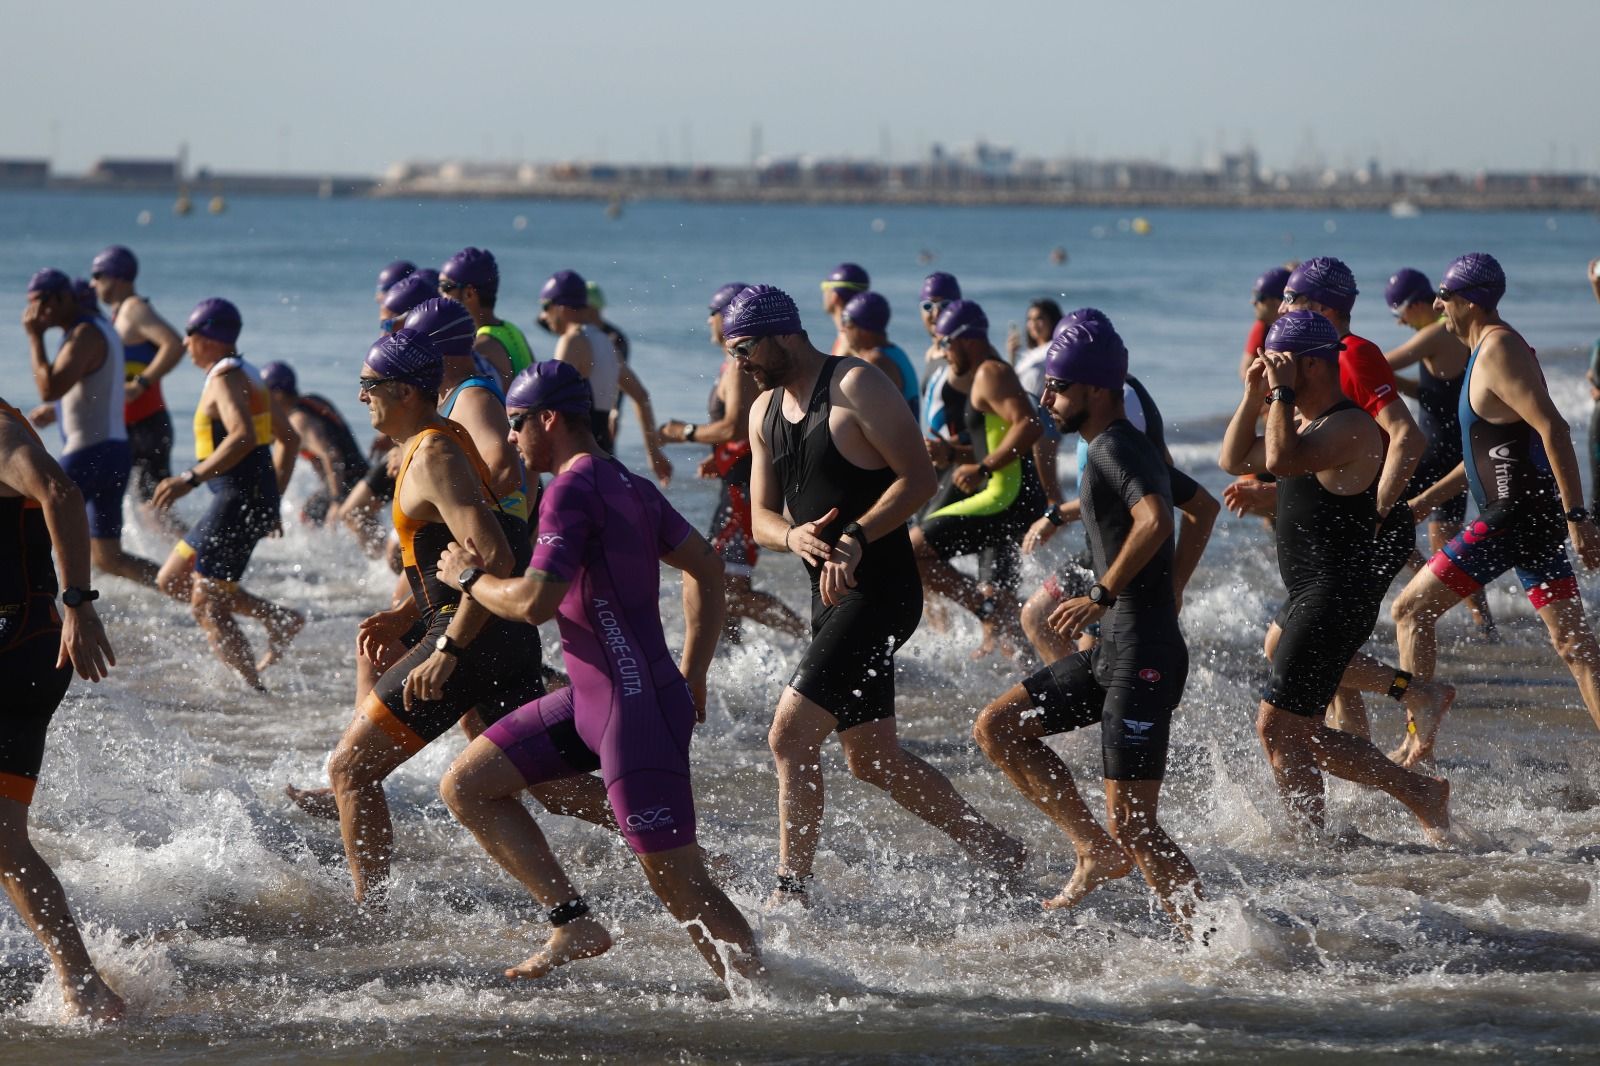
(1404,209)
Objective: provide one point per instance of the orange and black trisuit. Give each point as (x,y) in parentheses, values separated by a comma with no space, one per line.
(500,669)
(30,638)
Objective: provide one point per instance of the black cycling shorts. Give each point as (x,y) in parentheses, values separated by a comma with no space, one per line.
(1131,695)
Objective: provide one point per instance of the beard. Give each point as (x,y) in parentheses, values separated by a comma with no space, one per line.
(1071,423)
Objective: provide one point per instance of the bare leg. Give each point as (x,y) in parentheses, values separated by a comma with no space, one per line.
(175,579)
(1426,702)
(319,802)
(746,601)
(1301,749)
(282,623)
(798,729)
(482,789)
(939,576)
(366,755)
(1013,740)
(212,603)
(1416,616)
(108,557)
(1131,814)
(42,904)
(680,879)
(359,513)
(1035,624)
(1348,713)
(1574,641)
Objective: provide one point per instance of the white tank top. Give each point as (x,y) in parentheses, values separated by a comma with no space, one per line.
(91,411)
(604,367)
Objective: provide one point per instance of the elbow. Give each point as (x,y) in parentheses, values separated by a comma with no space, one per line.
(1278,465)
(923,483)
(1231,466)
(62,495)
(1203,509)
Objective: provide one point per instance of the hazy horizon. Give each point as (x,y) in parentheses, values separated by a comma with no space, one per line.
(325,88)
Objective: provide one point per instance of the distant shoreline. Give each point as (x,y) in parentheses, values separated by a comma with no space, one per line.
(1342,199)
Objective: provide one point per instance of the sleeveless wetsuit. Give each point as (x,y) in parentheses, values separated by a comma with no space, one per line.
(1132,680)
(95,452)
(351,459)
(1439,403)
(604,370)
(30,637)
(628,712)
(244,498)
(732,533)
(500,669)
(514,341)
(514,503)
(1326,548)
(148,422)
(848,669)
(1520,523)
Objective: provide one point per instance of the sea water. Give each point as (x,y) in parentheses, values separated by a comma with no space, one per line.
(224,915)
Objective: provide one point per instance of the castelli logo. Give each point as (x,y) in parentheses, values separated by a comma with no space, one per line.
(1149,675)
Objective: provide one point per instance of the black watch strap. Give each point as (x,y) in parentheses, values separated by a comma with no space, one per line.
(854,531)
(190,477)
(1578,514)
(469,577)
(1280,394)
(448,646)
(73,596)
(1052,515)
(1099,594)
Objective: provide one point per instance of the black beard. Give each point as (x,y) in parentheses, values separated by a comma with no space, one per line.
(1073,423)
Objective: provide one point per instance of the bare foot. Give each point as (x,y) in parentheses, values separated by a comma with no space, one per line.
(1424,714)
(1434,811)
(1004,854)
(317,802)
(583,938)
(93,999)
(282,628)
(1093,870)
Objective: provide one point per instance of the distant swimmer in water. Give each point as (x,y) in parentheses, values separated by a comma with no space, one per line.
(236,428)
(728,434)
(448,654)
(630,711)
(151,349)
(1525,480)
(866,334)
(834,446)
(581,343)
(1133,680)
(1441,362)
(1329,465)
(471,277)
(39,650)
(84,383)
(997,494)
(843,283)
(326,442)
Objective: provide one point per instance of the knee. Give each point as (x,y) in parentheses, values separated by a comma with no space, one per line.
(344,769)
(1576,647)
(455,792)
(1034,614)
(872,767)
(995,727)
(1271,729)
(787,747)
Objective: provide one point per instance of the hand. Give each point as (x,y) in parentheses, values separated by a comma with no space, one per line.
(1074,616)
(970,477)
(939,453)
(456,559)
(1280,369)
(1419,510)
(426,682)
(697,692)
(43,415)
(673,430)
(133,388)
(392,459)
(707,470)
(1013,342)
(169,492)
(1255,376)
(33,321)
(84,643)
(380,632)
(804,541)
(1248,496)
(1586,538)
(839,572)
(1039,533)
(662,467)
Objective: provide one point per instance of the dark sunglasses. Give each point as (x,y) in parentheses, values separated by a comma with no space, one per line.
(1447,294)
(745,349)
(944,343)
(1292,297)
(446,285)
(391,324)
(1056,385)
(368,384)
(518,421)
(932,305)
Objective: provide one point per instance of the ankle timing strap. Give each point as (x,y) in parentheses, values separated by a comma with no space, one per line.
(1400,685)
(569,911)
(794,886)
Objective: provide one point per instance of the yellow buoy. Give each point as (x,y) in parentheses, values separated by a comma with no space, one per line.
(1141,226)
(182,205)
(217,205)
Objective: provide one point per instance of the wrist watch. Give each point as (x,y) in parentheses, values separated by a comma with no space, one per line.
(1052,515)
(1578,514)
(1101,596)
(190,478)
(73,596)
(1280,392)
(466,578)
(689,431)
(448,646)
(855,532)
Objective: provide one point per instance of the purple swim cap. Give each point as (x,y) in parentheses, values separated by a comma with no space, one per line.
(49,280)
(868,311)
(550,386)
(1407,286)
(406,294)
(962,318)
(115,262)
(566,288)
(408,357)
(279,377)
(394,273)
(1304,333)
(475,267)
(1478,278)
(1269,286)
(847,276)
(760,311)
(446,324)
(724,296)
(940,287)
(1327,281)
(87,300)
(1079,317)
(217,319)
(1088,352)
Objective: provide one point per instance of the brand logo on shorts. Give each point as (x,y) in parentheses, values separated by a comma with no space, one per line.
(1149,675)
(652,819)
(555,540)
(1140,730)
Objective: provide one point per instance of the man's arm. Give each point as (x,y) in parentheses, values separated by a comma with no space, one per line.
(737,392)
(285,442)
(450,482)
(704,610)
(83,353)
(631,386)
(1199,513)
(326,457)
(1243,451)
(767,523)
(137,321)
(1045,452)
(1152,525)
(484,418)
(996,390)
(232,392)
(573,348)
(1324,445)
(1519,384)
(1406,445)
(1436,495)
(892,431)
(494,353)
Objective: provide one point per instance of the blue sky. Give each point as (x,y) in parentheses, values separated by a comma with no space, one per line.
(352,87)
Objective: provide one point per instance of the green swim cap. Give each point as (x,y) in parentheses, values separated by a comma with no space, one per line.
(597,299)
